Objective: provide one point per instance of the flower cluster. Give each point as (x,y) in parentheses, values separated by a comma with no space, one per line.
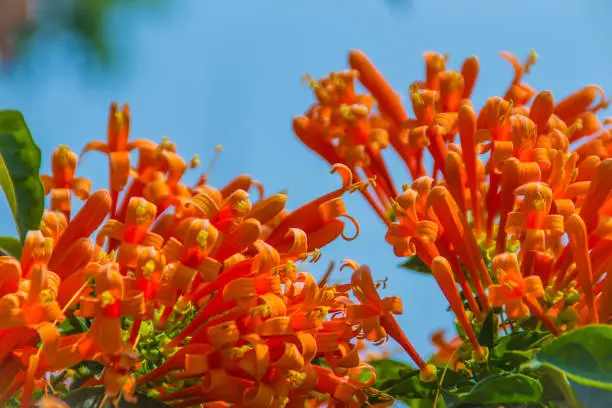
(187,294)
(513,217)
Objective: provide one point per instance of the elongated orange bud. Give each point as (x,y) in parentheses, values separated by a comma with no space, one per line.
(576,230)
(469,71)
(87,220)
(443,274)
(455,178)
(541,109)
(459,232)
(600,187)
(467,130)
(571,107)
(389,101)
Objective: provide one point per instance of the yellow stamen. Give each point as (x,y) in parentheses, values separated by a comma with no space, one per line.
(241,206)
(104,257)
(119,119)
(328,295)
(62,153)
(44,228)
(218,150)
(507,113)
(295,378)
(148,268)
(575,127)
(346,112)
(362,185)
(195,162)
(317,313)
(314,256)
(107,299)
(397,208)
(46,296)
(182,305)
(202,239)
(261,311)
(142,215)
(313,83)
(417,99)
(533,56)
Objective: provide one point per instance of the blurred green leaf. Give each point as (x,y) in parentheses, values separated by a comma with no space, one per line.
(12,246)
(505,389)
(517,348)
(584,355)
(416,264)
(388,369)
(19,178)
(557,388)
(403,383)
(91,397)
(488,331)
(592,397)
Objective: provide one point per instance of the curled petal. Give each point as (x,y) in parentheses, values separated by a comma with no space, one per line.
(266,259)
(242,182)
(81,187)
(224,334)
(239,239)
(324,235)
(238,289)
(260,396)
(95,145)
(47,182)
(256,361)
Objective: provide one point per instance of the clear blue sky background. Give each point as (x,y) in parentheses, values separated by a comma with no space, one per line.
(228,72)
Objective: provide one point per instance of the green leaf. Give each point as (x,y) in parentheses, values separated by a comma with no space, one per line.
(85,370)
(557,388)
(12,246)
(73,325)
(91,397)
(592,397)
(488,332)
(406,385)
(506,389)
(424,403)
(584,355)
(19,166)
(517,348)
(416,264)
(518,341)
(388,369)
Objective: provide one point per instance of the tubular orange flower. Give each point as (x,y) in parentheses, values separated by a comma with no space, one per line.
(454,222)
(205,301)
(375,316)
(117,148)
(518,175)
(446,351)
(62,183)
(441,270)
(110,303)
(512,287)
(134,234)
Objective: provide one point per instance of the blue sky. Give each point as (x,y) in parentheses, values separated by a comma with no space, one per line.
(228,72)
